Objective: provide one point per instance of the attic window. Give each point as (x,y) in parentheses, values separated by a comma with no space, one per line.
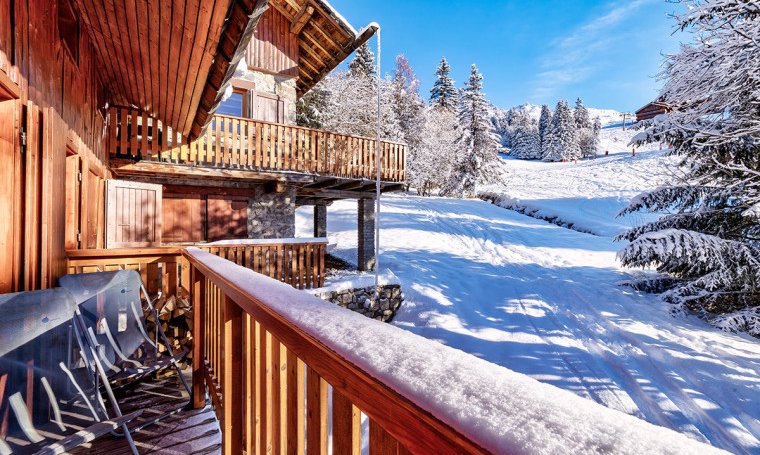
(236,105)
(69,28)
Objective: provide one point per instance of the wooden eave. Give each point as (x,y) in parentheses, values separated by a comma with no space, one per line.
(169,58)
(324,38)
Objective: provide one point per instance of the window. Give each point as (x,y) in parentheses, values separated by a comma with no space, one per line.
(236,105)
(69,28)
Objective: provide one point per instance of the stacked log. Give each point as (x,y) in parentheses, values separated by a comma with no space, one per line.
(176,317)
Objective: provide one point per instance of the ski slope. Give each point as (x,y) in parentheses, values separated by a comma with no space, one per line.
(543,300)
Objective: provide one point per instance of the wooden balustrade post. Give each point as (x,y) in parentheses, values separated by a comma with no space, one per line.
(197,288)
(232,388)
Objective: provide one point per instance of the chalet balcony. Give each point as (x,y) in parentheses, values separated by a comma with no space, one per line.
(235,147)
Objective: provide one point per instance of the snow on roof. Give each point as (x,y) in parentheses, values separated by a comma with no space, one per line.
(338,16)
(500,409)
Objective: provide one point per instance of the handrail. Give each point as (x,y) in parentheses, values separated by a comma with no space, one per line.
(241,143)
(225,313)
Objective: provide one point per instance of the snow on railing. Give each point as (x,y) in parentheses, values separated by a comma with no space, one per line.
(260,338)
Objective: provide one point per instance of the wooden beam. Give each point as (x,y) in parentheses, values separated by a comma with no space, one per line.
(151,168)
(8,88)
(301,19)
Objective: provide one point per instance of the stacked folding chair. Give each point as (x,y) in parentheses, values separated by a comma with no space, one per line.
(65,389)
(109,322)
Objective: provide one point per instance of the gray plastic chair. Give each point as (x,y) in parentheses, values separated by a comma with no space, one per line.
(110,322)
(24,317)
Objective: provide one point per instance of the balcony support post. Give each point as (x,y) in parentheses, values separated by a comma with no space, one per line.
(366,234)
(320,220)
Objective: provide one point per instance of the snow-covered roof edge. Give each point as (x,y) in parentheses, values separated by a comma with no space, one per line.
(292,241)
(501,410)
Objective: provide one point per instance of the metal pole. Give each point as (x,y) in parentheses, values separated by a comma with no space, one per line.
(377,178)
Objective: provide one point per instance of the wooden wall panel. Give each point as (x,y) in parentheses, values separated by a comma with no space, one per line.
(9,275)
(273,48)
(227,217)
(133,214)
(184,218)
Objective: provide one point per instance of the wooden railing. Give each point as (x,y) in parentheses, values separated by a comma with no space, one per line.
(239,143)
(300,263)
(268,378)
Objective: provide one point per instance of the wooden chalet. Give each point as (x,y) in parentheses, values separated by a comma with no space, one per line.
(652,110)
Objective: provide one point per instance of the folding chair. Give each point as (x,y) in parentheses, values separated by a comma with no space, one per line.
(23,318)
(110,323)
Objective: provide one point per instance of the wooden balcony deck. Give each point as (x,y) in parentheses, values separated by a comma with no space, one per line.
(240,147)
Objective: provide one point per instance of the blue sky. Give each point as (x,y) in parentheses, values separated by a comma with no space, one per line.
(538,51)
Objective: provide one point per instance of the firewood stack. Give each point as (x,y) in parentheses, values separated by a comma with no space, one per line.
(176,318)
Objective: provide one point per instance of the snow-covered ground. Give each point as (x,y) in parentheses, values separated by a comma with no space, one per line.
(587,194)
(544,300)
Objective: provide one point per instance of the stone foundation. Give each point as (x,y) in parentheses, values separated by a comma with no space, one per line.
(272,215)
(362,300)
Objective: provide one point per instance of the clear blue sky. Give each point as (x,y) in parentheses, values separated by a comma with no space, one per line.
(607,52)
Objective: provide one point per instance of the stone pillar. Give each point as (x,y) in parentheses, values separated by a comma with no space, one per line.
(272,215)
(320,220)
(366,234)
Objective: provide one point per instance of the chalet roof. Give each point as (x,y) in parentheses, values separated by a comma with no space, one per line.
(661,105)
(169,58)
(325,38)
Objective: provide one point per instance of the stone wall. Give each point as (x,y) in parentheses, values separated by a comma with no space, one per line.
(272,215)
(363,301)
(284,87)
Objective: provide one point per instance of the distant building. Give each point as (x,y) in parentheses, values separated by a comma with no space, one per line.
(652,110)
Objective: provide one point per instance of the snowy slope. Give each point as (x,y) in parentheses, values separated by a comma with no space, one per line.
(588,194)
(544,301)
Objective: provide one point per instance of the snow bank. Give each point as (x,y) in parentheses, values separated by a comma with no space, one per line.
(502,410)
(356,281)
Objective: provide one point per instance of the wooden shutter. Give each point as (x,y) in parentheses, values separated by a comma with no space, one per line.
(268,108)
(133,214)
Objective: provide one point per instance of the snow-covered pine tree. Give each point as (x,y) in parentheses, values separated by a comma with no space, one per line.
(477,142)
(563,136)
(544,124)
(444,93)
(437,151)
(526,144)
(310,107)
(408,108)
(363,63)
(582,117)
(707,243)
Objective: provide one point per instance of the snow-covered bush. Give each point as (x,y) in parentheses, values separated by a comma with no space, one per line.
(708,239)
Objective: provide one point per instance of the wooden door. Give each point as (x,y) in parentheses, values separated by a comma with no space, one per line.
(73,230)
(8,194)
(227,217)
(93,214)
(133,214)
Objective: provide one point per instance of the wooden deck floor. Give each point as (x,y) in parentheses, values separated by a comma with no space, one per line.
(183,433)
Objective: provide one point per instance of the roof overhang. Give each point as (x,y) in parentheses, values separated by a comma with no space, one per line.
(325,38)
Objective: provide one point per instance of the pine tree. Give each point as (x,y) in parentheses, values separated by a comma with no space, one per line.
(437,151)
(582,117)
(525,138)
(310,107)
(444,93)
(363,63)
(707,243)
(544,125)
(563,136)
(408,108)
(476,140)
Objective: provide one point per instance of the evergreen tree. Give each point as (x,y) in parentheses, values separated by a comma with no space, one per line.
(707,243)
(563,137)
(476,140)
(408,108)
(363,63)
(544,125)
(582,117)
(444,93)
(525,138)
(310,107)
(437,151)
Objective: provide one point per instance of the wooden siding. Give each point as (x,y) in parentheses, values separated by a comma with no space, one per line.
(133,214)
(238,143)
(56,107)
(273,47)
